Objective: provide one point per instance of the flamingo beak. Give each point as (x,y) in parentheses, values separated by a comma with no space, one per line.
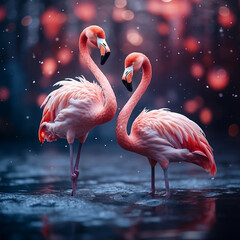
(104,49)
(127,78)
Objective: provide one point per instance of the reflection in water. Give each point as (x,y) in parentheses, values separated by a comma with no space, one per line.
(185,218)
(190,218)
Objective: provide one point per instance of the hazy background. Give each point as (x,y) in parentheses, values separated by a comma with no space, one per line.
(193,46)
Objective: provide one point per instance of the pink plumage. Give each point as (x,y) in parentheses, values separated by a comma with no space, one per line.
(71,111)
(165,135)
(78,105)
(160,135)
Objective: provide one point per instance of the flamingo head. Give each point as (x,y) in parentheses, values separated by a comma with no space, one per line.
(96,36)
(133,63)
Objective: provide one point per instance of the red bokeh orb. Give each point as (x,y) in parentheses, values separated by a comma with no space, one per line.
(226,17)
(163,28)
(206,115)
(41,98)
(3,13)
(190,106)
(233,130)
(86,11)
(49,67)
(218,78)
(64,56)
(191,45)
(197,70)
(169,9)
(26,21)
(52,21)
(4,94)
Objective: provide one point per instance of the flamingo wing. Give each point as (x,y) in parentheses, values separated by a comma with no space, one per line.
(71,102)
(174,137)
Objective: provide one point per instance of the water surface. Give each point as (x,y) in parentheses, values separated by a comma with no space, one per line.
(112,199)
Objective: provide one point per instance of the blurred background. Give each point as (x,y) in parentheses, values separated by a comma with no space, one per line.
(193,45)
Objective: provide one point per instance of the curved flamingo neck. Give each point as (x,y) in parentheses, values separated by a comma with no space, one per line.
(109,109)
(124,140)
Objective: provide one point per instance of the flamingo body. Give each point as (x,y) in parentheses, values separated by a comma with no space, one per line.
(166,136)
(160,135)
(77,106)
(71,111)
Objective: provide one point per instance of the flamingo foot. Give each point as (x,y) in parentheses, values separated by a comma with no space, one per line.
(74,171)
(74,177)
(152,191)
(167,194)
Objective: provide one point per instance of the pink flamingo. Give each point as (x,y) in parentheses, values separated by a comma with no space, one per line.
(76,107)
(160,135)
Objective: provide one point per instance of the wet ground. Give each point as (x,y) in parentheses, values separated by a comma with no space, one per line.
(112,199)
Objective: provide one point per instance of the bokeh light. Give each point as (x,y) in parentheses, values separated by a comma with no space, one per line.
(41,98)
(169,9)
(197,70)
(64,56)
(86,11)
(134,37)
(120,3)
(3,13)
(163,28)
(128,15)
(121,14)
(206,115)
(49,67)
(192,105)
(26,21)
(233,130)
(4,94)
(226,18)
(191,45)
(52,21)
(217,78)
(11,27)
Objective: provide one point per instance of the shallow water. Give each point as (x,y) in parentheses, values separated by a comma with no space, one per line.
(112,199)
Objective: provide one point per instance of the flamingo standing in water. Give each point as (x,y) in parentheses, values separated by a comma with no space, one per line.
(76,107)
(160,135)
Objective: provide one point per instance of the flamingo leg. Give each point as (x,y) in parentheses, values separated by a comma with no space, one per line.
(167,194)
(76,170)
(72,173)
(152,191)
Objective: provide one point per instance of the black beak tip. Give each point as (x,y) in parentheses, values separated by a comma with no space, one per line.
(105,57)
(128,85)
